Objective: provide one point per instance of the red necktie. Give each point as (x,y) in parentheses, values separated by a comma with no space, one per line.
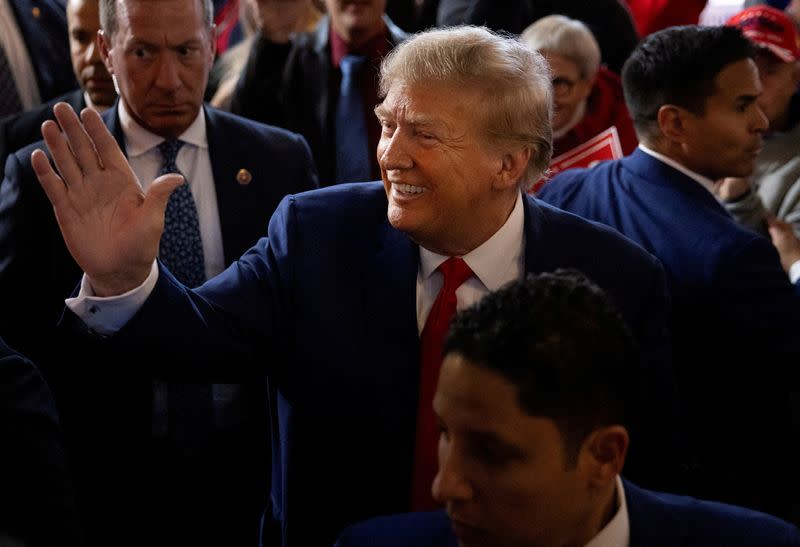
(455,272)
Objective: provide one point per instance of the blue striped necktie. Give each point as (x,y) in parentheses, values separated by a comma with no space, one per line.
(10,102)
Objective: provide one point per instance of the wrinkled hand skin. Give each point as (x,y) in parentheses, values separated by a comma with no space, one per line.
(111,226)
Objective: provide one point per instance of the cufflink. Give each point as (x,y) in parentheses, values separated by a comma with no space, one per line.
(244,177)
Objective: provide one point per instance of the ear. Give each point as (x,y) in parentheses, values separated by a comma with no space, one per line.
(605,449)
(212,37)
(672,122)
(104,44)
(512,167)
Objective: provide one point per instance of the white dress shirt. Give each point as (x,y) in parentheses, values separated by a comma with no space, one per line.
(496,262)
(499,260)
(194,163)
(708,184)
(19,59)
(617,533)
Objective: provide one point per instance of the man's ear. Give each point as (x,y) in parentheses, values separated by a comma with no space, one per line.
(605,449)
(104,44)
(672,122)
(512,167)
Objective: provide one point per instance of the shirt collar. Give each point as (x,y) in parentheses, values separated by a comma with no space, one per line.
(706,182)
(618,531)
(504,248)
(139,140)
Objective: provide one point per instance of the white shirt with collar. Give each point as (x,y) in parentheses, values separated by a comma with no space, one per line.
(19,59)
(617,533)
(496,262)
(708,184)
(194,163)
(499,260)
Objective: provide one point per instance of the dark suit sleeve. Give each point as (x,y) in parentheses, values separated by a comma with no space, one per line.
(257,93)
(36,501)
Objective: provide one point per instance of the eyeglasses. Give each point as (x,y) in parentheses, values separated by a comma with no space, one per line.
(563,86)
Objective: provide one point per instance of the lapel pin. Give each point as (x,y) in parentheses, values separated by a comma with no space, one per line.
(244,177)
(36,12)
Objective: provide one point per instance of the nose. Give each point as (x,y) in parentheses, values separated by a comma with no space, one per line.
(93,52)
(760,120)
(392,152)
(167,76)
(450,483)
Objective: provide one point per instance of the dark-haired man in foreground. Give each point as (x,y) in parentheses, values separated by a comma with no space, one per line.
(735,314)
(531,406)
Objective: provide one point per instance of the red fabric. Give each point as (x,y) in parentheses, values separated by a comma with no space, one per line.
(374,50)
(455,272)
(653,15)
(604,107)
(226,21)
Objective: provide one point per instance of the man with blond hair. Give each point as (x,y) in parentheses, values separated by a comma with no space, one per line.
(346,300)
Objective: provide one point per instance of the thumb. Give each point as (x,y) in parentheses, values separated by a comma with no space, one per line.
(159,192)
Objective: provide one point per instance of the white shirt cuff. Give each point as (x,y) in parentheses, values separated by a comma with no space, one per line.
(106,315)
(794,272)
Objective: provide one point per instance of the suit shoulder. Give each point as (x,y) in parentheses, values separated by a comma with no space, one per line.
(263,131)
(571,229)
(708,522)
(406,530)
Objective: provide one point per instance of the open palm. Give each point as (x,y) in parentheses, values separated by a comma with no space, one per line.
(110,225)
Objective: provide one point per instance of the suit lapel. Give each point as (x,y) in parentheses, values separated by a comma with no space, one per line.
(652,522)
(230,197)
(111,117)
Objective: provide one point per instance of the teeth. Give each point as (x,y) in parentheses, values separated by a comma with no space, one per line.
(408,189)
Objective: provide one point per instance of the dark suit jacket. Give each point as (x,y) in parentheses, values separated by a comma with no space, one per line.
(656,520)
(327,305)
(43,25)
(288,85)
(37,504)
(734,323)
(131,490)
(26,127)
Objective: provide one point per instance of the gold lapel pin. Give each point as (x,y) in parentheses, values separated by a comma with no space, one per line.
(244,177)
(36,12)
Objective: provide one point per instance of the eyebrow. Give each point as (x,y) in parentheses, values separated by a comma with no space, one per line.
(410,118)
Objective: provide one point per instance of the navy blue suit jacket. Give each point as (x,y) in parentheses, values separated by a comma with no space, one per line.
(123,484)
(43,25)
(656,520)
(734,322)
(327,305)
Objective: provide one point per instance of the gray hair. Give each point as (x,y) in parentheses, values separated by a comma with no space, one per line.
(108,15)
(566,37)
(514,78)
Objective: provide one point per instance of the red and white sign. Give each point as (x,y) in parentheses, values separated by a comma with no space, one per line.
(603,146)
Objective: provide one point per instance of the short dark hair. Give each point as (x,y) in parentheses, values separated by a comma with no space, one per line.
(678,66)
(558,339)
(108,15)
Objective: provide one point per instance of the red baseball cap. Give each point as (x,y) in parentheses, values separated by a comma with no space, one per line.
(770,28)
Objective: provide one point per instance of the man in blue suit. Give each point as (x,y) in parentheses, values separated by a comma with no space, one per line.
(692,95)
(336,303)
(33,44)
(531,406)
(197,471)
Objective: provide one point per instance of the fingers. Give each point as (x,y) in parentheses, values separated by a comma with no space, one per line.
(108,150)
(51,183)
(61,153)
(82,147)
(160,191)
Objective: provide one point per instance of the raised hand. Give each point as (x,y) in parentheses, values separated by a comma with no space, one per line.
(110,225)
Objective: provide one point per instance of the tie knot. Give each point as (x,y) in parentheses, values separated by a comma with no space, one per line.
(169,150)
(351,64)
(455,272)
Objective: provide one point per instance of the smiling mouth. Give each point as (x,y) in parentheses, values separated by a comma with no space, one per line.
(408,189)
